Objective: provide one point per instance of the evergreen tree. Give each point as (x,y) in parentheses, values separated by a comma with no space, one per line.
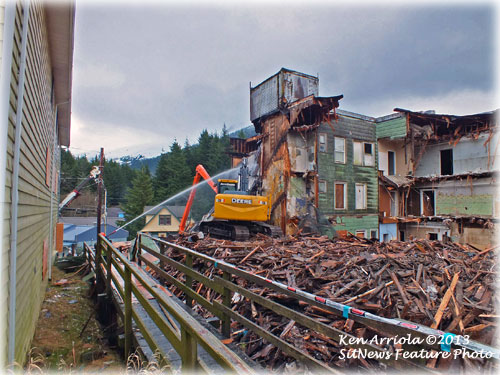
(172,174)
(137,197)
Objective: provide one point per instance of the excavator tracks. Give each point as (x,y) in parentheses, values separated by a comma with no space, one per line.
(240,231)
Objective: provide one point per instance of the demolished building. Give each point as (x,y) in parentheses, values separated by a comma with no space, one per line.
(401,176)
(317,164)
(451,164)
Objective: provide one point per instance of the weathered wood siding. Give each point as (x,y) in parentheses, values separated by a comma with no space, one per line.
(393,128)
(351,219)
(38,171)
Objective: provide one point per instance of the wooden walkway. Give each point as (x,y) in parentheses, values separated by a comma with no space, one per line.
(162,328)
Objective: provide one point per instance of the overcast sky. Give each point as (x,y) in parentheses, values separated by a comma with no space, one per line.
(144,76)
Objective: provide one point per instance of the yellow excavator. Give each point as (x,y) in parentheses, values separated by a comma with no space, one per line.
(236,214)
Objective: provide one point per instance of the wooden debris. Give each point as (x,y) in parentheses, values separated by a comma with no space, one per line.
(410,280)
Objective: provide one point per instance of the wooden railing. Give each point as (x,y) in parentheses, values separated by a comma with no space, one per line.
(125,279)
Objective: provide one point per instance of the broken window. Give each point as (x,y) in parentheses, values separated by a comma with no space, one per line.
(363,153)
(164,220)
(401,235)
(360,233)
(339,150)
(322,186)
(385,237)
(447,162)
(360,196)
(433,236)
(393,203)
(391,160)
(428,202)
(368,155)
(373,234)
(340,195)
(322,142)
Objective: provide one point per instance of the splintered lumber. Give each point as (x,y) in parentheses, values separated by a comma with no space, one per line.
(369,292)
(445,301)
(250,254)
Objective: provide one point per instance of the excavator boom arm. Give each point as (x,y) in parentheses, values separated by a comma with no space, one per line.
(200,172)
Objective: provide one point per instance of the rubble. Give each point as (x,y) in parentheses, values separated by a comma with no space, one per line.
(447,286)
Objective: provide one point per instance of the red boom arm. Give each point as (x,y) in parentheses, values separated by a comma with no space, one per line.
(200,172)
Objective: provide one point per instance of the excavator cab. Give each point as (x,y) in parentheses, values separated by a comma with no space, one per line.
(227,185)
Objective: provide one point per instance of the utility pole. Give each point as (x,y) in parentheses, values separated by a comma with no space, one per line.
(99,204)
(99,193)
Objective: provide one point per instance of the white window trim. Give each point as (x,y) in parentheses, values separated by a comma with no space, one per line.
(365,203)
(335,196)
(335,150)
(326,142)
(363,154)
(326,186)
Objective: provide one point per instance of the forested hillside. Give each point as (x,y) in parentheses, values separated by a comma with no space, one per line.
(174,173)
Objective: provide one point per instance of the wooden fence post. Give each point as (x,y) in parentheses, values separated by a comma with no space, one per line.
(97,261)
(139,250)
(189,279)
(190,347)
(226,301)
(128,310)
(109,254)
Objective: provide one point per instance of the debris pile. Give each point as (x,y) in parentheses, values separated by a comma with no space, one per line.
(446,286)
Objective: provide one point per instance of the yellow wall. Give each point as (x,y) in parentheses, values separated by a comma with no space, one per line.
(153,226)
(397,146)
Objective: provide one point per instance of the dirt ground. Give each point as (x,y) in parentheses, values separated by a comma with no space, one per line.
(67,336)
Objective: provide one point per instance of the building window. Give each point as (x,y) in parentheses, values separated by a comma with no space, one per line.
(428,205)
(447,162)
(385,237)
(360,233)
(360,196)
(393,203)
(322,186)
(340,195)
(373,234)
(401,235)
(363,153)
(322,142)
(339,150)
(391,160)
(433,236)
(164,219)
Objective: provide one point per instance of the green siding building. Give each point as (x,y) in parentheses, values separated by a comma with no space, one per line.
(347,174)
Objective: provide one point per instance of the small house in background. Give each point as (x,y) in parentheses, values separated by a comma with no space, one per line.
(163,220)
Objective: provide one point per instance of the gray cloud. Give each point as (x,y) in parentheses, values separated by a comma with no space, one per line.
(178,69)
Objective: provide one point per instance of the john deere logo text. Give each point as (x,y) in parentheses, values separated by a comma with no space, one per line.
(244,201)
